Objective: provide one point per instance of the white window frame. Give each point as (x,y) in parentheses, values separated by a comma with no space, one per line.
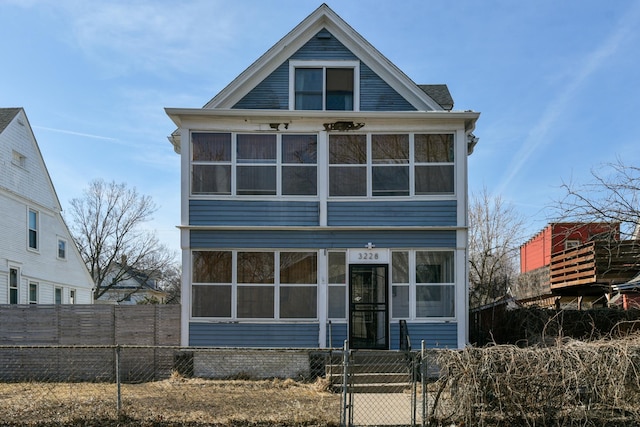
(19,159)
(36,230)
(37,288)
(411,165)
(234,164)
(66,245)
(276,285)
(17,285)
(294,64)
(55,290)
(72,296)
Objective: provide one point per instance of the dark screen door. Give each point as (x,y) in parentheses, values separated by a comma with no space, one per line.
(368,314)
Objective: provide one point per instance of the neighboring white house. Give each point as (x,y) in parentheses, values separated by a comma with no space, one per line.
(39,263)
(132,287)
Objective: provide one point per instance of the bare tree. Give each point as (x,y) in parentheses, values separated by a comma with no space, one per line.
(613,196)
(107,226)
(494,237)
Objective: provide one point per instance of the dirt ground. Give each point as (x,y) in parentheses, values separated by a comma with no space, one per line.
(174,402)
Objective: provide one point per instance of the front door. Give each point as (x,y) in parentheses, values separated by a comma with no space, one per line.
(368,313)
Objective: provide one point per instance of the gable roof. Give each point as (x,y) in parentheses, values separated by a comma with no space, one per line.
(324,18)
(6,116)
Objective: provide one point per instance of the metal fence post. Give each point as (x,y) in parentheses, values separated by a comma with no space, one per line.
(423,376)
(345,421)
(119,395)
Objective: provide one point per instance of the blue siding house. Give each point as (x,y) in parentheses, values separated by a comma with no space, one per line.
(324,197)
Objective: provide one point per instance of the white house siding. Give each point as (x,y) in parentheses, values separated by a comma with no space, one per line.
(24,187)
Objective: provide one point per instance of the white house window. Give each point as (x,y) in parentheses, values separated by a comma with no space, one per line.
(33,229)
(434,162)
(254,284)
(435,284)
(62,249)
(19,159)
(400,284)
(57,295)
(337,289)
(391,165)
(254,164)
(72,296)
(14,285)
(33,293)
(324,85)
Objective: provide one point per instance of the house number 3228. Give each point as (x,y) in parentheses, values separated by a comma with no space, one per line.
(367,255)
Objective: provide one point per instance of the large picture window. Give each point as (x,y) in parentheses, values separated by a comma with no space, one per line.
(391,165)
(254,284)
(254,164)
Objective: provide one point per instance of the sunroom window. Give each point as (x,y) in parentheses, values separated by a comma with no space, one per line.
(255,164)
(255,284)
(391,165)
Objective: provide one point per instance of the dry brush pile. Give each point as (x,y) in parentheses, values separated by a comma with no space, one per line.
(571,383)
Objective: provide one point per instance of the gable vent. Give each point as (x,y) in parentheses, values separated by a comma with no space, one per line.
(323,35)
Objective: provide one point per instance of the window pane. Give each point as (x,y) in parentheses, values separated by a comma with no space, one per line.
(435,301)
(255,302)
(211,267)
(62,249)
(33,293)
(390,149)
(299,180)
(298,302)
(337,302)
(211,179)
(33,220)
(214,147)
(340,89)
(211,301)
(434,148)
(434,179)
(33,239)
(434,267)
(348,149)
(256,148)
(390,180)
(347,181)
(58,296)
(255,267)
(299,148)
(400,267)
(337,267)
(256,180)
(400,301)
(298,267)
(308,89)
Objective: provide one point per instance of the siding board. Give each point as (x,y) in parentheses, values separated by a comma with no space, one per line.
(257,213)
(383,213)
(281,335)
(321,239)
(435,335)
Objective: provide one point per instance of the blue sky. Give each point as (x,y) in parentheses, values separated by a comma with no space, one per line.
(556,82)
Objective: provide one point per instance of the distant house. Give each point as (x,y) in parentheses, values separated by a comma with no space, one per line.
(131,287)
(39,262)
(324,198)
(575,264)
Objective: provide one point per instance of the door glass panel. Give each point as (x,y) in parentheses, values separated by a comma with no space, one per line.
(368,307)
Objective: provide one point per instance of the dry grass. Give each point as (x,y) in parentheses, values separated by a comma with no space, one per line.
(177,401)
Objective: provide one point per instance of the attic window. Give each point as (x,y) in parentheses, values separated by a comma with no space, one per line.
(18,159)
(324,86)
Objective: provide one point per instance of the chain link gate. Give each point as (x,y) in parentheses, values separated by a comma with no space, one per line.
(382,387)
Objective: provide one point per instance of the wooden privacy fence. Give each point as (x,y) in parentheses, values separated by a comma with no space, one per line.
(153,325)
